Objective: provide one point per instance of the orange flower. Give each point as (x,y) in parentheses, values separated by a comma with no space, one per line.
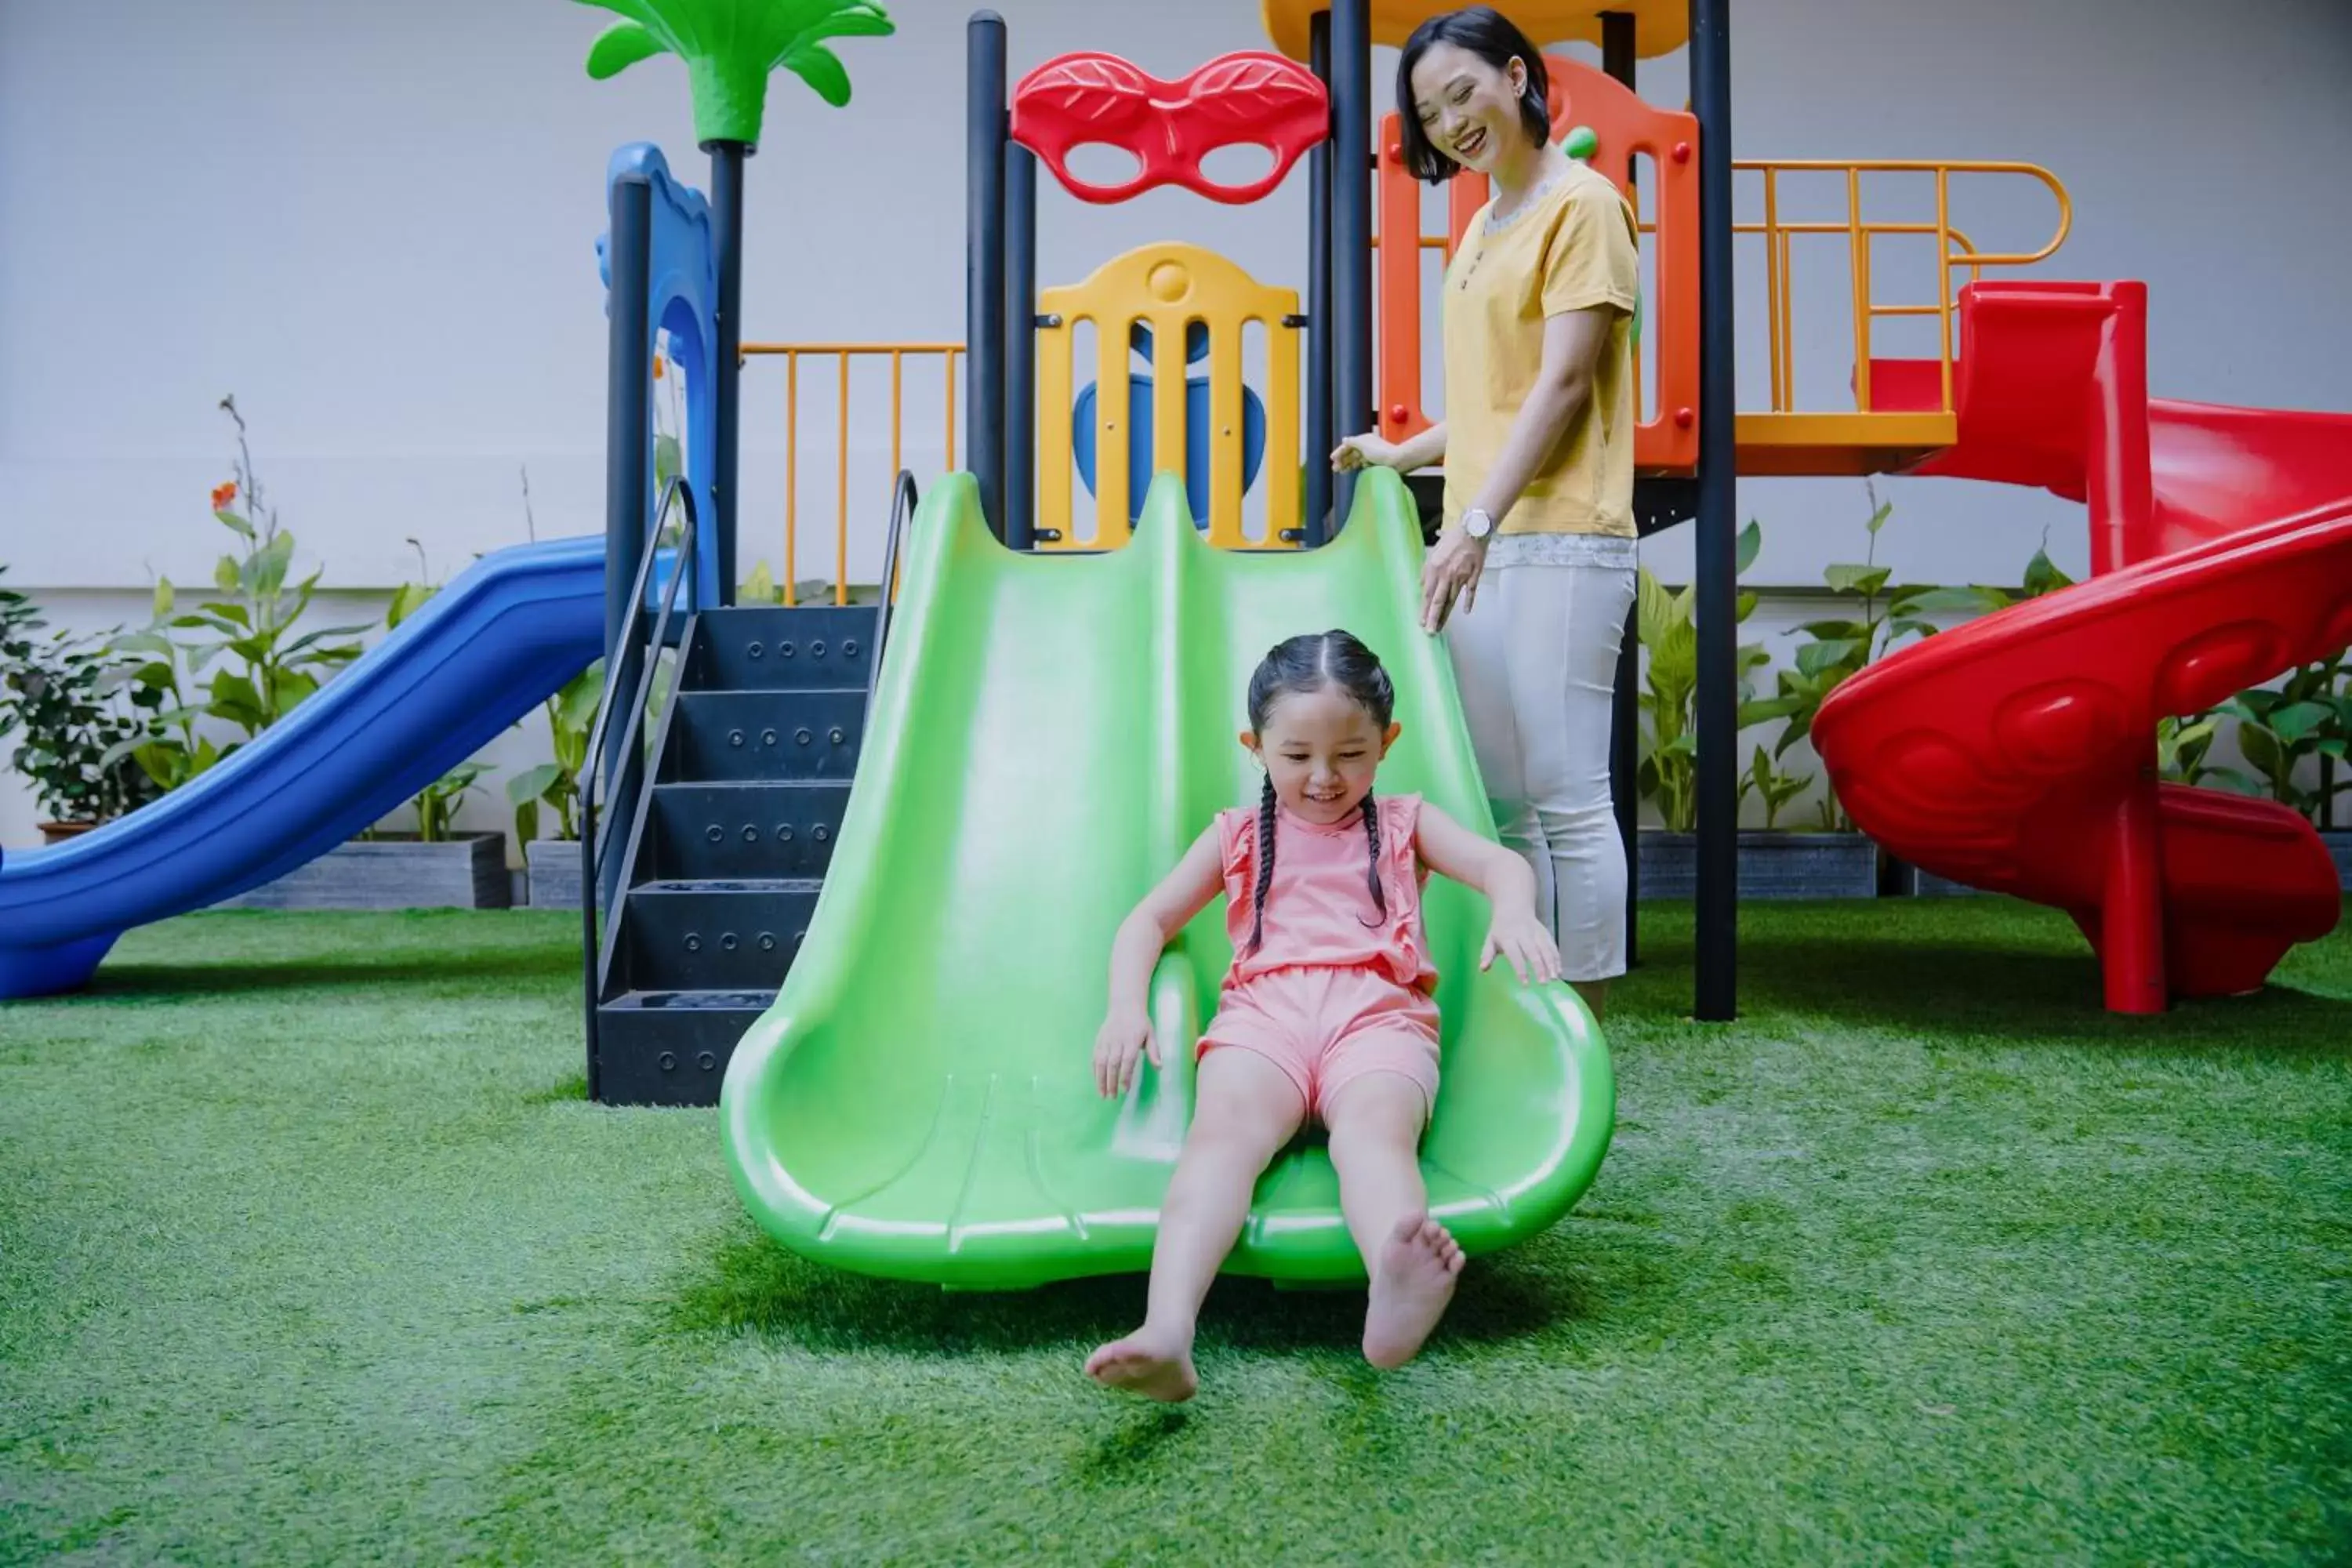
(224,494)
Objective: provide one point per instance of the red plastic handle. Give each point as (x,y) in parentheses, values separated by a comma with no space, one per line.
(1252,98)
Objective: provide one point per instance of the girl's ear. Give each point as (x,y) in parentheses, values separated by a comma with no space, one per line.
(1389,738)
(1249,740)
(1514,71)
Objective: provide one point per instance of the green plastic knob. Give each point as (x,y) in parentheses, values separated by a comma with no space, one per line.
(1581,143)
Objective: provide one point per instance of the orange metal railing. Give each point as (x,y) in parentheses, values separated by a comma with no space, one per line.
(1663,437)
(841,355)
(1953,246)
(1954,250)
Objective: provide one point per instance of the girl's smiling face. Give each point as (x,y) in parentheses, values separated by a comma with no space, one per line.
(1468,109)
(1321,749)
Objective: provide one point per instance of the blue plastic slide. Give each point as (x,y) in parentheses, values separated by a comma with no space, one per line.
(480,655)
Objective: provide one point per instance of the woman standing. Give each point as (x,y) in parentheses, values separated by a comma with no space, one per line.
(1538,446)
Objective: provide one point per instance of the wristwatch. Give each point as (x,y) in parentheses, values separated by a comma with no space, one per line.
(1477,523)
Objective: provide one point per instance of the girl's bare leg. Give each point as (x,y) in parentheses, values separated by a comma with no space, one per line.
(1376,1124)
(1244,1109)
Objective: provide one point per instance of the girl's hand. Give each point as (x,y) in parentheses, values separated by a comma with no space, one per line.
(1520,939)
(1451,571)
(1365,451)
(1123,1038)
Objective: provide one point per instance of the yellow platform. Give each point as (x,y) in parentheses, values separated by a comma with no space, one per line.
(1660,27)
(1841,444)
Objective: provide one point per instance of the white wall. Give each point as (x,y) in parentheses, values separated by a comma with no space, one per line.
(375,225)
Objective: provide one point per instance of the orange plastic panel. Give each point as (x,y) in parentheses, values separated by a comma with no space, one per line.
(1667,440)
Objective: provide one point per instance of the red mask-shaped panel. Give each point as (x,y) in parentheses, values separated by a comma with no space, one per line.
(1254,97)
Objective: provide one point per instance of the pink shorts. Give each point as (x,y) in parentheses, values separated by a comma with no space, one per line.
(1324,1028)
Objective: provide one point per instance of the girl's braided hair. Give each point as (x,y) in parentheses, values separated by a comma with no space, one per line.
(1294,667)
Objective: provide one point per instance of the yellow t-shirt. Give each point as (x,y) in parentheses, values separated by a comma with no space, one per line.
(1574,248)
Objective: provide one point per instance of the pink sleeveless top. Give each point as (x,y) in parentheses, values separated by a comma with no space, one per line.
(1320,912)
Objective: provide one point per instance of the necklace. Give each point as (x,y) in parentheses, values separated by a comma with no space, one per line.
(1494,220)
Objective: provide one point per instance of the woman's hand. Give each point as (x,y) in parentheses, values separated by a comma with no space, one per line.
(1452,570)
(1521,940)
(1123,1038)
(1366,451)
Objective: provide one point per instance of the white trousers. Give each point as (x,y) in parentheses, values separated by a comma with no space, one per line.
(1535,661)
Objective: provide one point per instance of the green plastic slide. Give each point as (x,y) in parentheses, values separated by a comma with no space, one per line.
(1050,731)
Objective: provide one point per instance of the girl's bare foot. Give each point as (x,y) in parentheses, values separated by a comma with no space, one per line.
(1412,1284)
(1145,1365)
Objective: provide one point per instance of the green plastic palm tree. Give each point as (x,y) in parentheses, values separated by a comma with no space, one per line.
(731,46)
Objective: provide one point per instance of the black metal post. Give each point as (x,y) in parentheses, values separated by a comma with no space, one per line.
(1021,349)
(726,238)
(1718,999)
(985,132)
(1351,229)
(628,433)
(1314,526)
(1619,40)
(1625,774)
(1619,53)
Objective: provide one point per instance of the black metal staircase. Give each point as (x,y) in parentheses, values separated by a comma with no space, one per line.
(708,872)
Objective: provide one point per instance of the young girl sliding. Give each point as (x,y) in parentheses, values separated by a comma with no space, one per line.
(1326,1012)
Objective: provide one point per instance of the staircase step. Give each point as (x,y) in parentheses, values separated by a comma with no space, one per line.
(670,1048)
(741,998)
(752,736)
(778,830)
(771,648)
(716,936)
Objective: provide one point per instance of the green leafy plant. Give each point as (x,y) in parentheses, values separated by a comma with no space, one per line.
(1839,647)
(252,620)
(2182,746)
(759,587)
(1776,789)
(67,701)
(571,714)
(732,46)
(168,747)
(437,803)
(2306,719)
(2042,576)
(1875,619)
(1668,778)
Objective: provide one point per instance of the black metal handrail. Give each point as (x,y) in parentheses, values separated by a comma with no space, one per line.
(597,952)
(903,501)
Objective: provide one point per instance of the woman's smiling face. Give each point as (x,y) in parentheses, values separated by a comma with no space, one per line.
(1468,109)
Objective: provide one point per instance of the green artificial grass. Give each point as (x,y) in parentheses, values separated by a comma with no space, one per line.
(312,1251)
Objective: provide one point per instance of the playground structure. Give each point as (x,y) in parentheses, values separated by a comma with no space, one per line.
(2261,477)
(874,1121)
(861,829)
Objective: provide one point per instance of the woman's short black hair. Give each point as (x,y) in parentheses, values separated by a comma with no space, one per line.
(1493,38)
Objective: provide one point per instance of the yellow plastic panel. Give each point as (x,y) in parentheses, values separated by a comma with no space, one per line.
(1167,287)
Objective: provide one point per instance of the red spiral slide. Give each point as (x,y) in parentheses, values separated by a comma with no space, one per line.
(2017,754)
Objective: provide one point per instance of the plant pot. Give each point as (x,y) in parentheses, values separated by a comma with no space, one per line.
(1918,884)
(59,831)
(394,872)
(554,866)
(1772,865)
(1899,879)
